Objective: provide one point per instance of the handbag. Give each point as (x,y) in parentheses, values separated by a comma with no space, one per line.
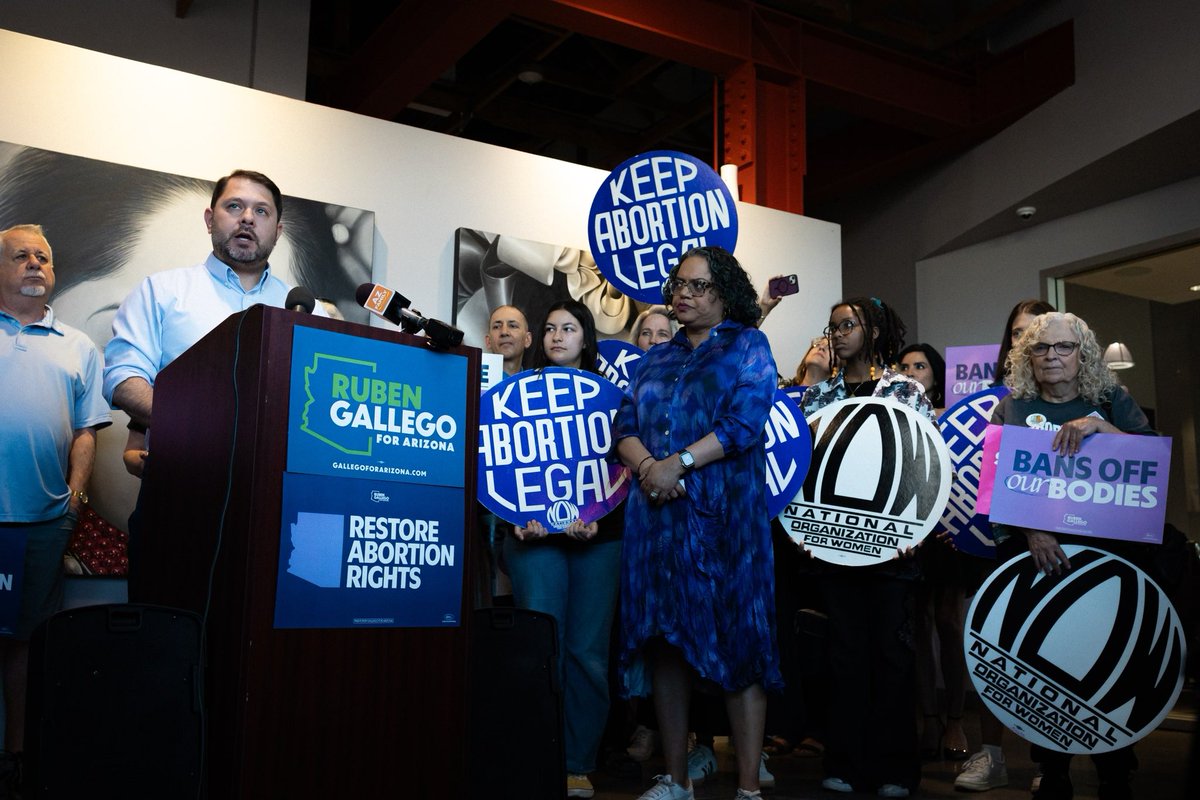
(96,547)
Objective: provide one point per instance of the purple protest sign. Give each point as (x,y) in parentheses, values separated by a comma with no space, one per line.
(964,427)
(1115,487)
(969,369)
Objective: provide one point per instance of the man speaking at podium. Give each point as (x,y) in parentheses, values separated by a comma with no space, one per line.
(172,310)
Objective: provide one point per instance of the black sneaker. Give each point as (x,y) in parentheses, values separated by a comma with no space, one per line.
(1055,786)
(10,775)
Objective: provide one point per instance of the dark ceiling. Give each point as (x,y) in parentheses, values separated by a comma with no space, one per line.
(887,86)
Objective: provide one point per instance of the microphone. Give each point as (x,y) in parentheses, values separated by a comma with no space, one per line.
(382,301)
(300,299)
(394,307)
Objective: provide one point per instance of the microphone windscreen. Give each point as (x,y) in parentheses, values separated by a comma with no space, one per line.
(300,296)
(363,292)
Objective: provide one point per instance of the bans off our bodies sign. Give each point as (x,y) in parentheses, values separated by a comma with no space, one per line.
(1115,487)
(544,441)
(1088,661)
(878,482)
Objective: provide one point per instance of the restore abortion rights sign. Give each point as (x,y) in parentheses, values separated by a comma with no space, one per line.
(1115,487)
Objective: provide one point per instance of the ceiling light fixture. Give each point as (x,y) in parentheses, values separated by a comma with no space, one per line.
(531,74)
(1117,356)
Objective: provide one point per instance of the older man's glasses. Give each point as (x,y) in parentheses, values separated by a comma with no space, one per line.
(695,286)
(843,328)
(1062,348)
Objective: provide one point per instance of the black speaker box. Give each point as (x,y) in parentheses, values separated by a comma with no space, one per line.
(113,710)
(515,749)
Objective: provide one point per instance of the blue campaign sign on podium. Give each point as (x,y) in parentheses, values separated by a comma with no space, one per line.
(362,407)
(544,441)
(12,574)
(369,553)
(652,209)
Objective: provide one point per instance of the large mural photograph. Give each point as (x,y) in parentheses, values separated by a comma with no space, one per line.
(112,225)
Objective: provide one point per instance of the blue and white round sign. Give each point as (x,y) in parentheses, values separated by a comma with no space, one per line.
(963,426)
(544,440)
(789,451)
(652,209)
(617,360)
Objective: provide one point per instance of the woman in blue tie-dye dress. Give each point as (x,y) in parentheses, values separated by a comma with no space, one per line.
(697,582)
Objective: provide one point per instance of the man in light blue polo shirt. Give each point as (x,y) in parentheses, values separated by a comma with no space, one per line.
(51,411)
(172,310)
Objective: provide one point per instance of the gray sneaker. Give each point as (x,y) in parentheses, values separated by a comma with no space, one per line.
(666,789)
(980,773)
(701,763)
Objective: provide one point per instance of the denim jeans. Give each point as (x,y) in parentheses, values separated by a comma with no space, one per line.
(576,584)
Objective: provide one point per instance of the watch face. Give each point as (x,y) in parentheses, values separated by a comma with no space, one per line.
(687,459)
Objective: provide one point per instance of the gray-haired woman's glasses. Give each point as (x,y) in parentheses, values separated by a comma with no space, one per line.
(1062,348)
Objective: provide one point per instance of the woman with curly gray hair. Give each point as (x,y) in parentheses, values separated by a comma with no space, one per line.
(1060,383)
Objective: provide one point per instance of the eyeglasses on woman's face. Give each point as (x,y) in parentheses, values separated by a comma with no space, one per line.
(843,328)
(695,286)
(1062,348)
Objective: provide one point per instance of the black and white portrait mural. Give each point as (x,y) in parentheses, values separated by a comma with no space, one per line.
(492,270)
(111,225)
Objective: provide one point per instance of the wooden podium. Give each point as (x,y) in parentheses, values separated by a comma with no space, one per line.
(289,713)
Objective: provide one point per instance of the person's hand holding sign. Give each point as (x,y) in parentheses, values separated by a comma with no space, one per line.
(1046,552)
(1070,436)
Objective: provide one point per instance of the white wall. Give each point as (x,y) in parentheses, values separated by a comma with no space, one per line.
(1135,69)
(421,185)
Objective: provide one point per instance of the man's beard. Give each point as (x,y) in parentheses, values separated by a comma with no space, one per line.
(259,253)
(34,290)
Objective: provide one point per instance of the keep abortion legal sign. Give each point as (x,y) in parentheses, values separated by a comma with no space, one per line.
(878,482)
(1115,487)
(651,210)
(1087,661)
(617,360)
(544,442)
(964,427)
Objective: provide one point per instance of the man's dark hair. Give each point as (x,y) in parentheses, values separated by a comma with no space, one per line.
(253,177)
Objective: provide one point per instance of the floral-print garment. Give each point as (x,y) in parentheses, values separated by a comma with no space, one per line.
(895,385)
(698,571)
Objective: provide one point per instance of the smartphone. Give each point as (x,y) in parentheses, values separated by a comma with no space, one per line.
(785,285)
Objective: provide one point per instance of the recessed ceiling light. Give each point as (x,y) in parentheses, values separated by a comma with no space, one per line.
(1195,288)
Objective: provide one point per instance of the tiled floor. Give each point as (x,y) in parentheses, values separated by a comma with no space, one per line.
(1164,759)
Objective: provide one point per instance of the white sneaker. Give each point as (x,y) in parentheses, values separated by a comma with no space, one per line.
(765,779)
(837,785)
(667,789)
(701,763)
(643,744)
(980,773)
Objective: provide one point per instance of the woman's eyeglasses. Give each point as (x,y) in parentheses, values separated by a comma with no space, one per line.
(843,328)
(695,286)
(1062,348)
